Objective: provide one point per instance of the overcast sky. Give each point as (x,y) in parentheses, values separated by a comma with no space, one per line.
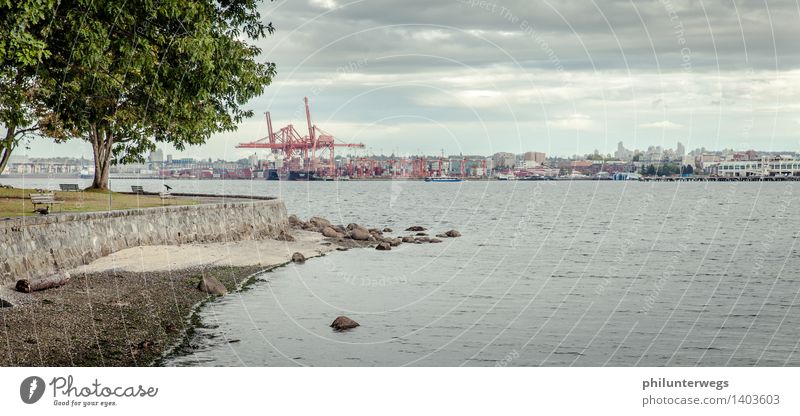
(559,76)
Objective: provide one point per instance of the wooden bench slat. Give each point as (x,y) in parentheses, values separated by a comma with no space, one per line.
(44,199)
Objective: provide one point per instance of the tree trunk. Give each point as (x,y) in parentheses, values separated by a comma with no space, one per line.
(102,142)
(8,146)
(55,280)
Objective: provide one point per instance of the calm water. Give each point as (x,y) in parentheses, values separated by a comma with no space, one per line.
(547,273)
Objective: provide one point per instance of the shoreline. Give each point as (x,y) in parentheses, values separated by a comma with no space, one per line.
(138,306)
(105,315)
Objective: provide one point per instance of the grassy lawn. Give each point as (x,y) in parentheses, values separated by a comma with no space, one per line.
(16,202)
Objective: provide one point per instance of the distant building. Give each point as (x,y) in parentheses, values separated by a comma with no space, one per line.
(504,160)
(777,166)
(538,157)
(156,156)
(680,150)
(527,164)
(622,153)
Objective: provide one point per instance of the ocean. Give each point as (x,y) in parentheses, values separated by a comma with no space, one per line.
(547,273)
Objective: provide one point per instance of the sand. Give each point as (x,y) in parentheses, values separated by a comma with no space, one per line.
(233,254)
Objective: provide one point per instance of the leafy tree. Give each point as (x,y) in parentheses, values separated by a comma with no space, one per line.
(127,75)
(23,35)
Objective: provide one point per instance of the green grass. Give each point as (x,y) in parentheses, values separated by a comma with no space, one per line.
(15,202)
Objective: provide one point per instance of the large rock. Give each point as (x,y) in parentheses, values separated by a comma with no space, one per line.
(435,240)
(359,234)
(353,226)
(395,242)
(330,232)
(319,223)
(212,286)
(294,221)
(408,239)
(453,233)
(423,239)
(383,246)
(298,258)
(342,322)
(387,230)
(422,234)
(416,228)
(442,235)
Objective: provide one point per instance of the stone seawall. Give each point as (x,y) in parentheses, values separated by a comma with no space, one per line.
(36,246)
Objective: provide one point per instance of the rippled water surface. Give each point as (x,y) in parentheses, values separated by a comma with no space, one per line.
(547,273)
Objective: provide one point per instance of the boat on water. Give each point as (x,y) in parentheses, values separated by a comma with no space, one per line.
(300,175)
(442,179)
(87,174)
(506,177)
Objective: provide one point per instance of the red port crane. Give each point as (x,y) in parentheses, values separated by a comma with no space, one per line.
(311,153)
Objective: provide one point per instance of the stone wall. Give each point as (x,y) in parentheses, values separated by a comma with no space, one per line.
(36,246)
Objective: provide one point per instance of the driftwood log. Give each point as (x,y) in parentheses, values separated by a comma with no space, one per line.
(33,285)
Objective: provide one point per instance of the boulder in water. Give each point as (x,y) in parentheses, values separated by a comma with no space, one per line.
(298,257)
(416,228)
(383,246)
(453,233)
(342,322)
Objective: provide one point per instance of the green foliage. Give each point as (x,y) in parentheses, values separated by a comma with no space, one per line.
(126,75)
(666,169)
(23,34)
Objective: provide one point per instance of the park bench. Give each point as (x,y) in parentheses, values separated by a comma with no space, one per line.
(69,187)
(45,199)
(137,189)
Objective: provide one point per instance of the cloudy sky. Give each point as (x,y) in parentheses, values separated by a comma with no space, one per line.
(559,76)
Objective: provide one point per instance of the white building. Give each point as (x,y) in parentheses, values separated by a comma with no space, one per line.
(778,166)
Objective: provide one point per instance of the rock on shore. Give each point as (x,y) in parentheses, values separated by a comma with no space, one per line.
(212,286)
(356,235)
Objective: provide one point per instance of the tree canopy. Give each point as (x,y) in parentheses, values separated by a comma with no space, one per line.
(23,45)
(127,75)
